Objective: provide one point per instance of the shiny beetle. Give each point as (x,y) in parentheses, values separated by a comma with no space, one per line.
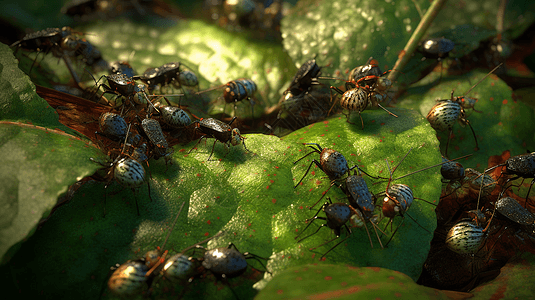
(451,170)
(112,126)
(306,76)
(437,48)
(357,99)
(152,131)
(134,276)
(180,268)
(43,40)
(511,209)
(519,166)
(336,217)
(466,237)
(172,116)
(371,68)
(121,67)
(127,172)
(129,278)
(237,90)
(332,162)
(228,262)
(166,74)
(444,113)
(213,128)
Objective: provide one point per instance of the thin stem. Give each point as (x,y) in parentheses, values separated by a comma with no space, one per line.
(418,34)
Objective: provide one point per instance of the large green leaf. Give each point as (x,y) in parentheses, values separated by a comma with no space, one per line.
(40,159)
(239,194)
(344,34)
(345,282)
(502,119)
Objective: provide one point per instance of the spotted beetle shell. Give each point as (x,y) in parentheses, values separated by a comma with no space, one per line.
(355,99)
(522,165)
(113,126)
(175,117)
(227,262)
(129,173)
(444,114)
(510,208)
(179,268)
(465,238)
(334,163)
(129,278)
(154,131)
(238,90)
(188,78)
(359,195)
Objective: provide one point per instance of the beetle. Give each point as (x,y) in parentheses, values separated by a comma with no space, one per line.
(511,209)
(370,77)
(171,115)
(133,276)
(213,128)
(398,199)
(228,262)
(466,237)
(436,48)
(451,171)
(112,126)
(444,113)
(336,217)
(169,73)
(332,162)
(237,90)
(151,130)
(357,99)
(304,79)
(519,166)
(121,67)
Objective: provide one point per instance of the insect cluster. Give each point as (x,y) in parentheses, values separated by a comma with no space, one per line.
(138,276)
(139,126)
(481,223)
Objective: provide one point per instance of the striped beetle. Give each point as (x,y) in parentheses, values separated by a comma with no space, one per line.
(133,276)
(444,113)
(237,90)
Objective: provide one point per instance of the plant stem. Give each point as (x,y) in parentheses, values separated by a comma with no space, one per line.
(412,44)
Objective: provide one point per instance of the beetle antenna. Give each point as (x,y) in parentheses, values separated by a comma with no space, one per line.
(483,79)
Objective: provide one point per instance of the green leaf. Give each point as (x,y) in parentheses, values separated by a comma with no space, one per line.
(250,196)
(345,282)
(344,34)
(38,163)
(216,60)
(514,277)
(503,118)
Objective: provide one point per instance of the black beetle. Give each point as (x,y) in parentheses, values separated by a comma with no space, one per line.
(213,128)
(306,76)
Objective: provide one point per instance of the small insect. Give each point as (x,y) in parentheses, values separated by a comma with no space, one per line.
(371,68)
(43,40)
(151,130)
(213,128)
(443,115)
(128,172)
(171,115)
(332,162)
(362,200)
(451,171)
(336,217)
(228,262)
(121,67)
(306,77)
(134,276)
(370,77)
(436,48)
(357,99)
(466,237)
(237,90)
(519,166)
(398,199)
(169,73)
(511,209)
(112,126)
